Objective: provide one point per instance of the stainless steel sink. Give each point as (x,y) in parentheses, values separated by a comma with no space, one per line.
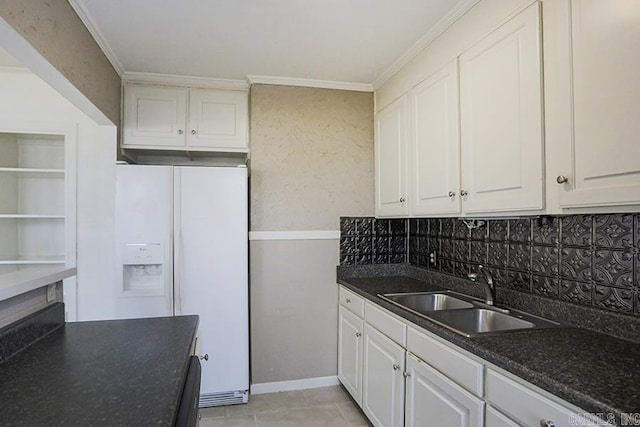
(465,315)
(424,302)
(481,320)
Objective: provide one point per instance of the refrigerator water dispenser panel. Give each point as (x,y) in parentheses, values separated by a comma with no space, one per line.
(142,272)
(142,254)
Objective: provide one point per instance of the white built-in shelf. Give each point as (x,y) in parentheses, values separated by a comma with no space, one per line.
(33,170)
(37,207)
(25,260)
(21,281)
(33,173)
(31,216)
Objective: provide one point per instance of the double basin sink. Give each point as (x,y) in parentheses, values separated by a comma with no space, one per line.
(465,315)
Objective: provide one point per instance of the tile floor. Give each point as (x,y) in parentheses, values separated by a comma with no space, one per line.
(318,407)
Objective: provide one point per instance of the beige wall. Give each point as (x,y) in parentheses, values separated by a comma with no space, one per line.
(53,29)
(294,309)
(311,157)
(311,162)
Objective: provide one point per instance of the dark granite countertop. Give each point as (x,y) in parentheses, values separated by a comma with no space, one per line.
(597,372)
(103,373)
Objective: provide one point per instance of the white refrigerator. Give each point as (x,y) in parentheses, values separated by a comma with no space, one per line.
(182,248)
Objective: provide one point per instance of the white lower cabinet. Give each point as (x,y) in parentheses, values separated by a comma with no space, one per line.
(525,406)
(350,352)
(382,379)
(434,400)
(407,377)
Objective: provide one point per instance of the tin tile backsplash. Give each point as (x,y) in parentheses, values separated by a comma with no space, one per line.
(585,259)
(373,241)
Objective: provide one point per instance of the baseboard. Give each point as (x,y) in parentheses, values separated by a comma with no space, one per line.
(302,384)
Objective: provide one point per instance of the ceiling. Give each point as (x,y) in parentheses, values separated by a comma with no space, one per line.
(356,41)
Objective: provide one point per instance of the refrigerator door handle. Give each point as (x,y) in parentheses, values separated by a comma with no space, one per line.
(177,239)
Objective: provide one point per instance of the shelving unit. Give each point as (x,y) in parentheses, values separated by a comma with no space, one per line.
(37,200)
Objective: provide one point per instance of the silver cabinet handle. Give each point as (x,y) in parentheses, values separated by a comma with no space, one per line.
(547,423)
(205,357)
(561,179)
(406,374)
(348,300)
(358,334)
(396,366)
(402,200)
(463,193)
(193,132)
(452,194)
(180,131)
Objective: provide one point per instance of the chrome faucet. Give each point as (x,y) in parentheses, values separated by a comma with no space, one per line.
(489,286)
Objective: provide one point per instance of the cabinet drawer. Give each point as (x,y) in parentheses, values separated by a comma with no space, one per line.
(351,301)
(460,368)
(528,407)
(386,323)
(497,419)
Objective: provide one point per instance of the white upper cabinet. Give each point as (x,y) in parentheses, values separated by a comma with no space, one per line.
(154,116)
(475,131)
(593,61)
(175,118)
(391,165)
(218,118)
(435,144)
(501,119)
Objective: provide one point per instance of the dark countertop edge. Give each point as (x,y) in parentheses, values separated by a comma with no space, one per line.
(185,370)
(23,333)
(572,396)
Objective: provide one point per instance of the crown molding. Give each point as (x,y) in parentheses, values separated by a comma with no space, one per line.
(441,26)
(191,81)
(323,84)
(88,22)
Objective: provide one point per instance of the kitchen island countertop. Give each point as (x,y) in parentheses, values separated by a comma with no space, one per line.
(107,373)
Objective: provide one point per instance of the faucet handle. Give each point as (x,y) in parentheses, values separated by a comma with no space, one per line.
(473,276)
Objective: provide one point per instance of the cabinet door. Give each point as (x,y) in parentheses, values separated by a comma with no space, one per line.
(501,118)
(154,116)
(601,153)
(435,144)
(435,400)
(350,353)
(391,164)
(218,119)
(382,380)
